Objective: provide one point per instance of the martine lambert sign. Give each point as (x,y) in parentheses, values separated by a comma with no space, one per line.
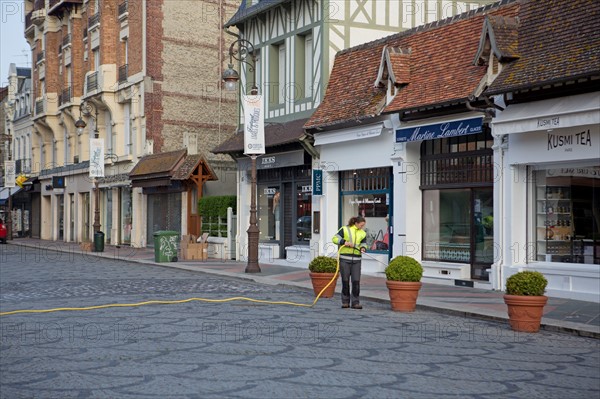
(440,130)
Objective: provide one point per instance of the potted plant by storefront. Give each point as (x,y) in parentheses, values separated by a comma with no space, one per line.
(403,275)
(322,272)
(525,300)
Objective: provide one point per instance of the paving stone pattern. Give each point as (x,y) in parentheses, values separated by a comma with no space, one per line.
(248,350)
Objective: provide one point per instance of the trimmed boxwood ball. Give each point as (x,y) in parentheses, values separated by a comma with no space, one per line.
(529,283)
(323,264)
(404,268)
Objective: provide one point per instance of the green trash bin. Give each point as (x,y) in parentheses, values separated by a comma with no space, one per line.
(99,241)
(165,246)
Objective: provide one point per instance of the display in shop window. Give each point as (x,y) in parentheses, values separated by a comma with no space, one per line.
(567,213)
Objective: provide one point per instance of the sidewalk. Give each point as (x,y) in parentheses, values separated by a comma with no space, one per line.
(565,315)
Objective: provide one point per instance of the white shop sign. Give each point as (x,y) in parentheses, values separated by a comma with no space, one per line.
(555,145)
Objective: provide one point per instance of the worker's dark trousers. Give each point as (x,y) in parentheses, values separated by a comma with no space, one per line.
(350,270)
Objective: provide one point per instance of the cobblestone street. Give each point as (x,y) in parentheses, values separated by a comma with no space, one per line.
(246,350)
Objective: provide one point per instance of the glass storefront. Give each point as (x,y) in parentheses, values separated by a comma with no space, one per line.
(458,225)
(269,212)
(566,207)
(86,225)
(303,212)
(107,223)
(457,186)
(367,193)
(126,215)
(284,201)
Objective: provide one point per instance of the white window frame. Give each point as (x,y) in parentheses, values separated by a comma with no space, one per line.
(308,66)
(281,74)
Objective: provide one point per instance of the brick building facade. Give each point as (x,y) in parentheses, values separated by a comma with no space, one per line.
(144,76)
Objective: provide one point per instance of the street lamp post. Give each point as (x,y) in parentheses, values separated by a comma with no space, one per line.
(86,107)
(231,78)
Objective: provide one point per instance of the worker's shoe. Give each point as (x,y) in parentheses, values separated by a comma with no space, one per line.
(356,306)
(345,305)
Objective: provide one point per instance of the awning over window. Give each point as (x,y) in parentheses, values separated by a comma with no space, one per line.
(556,113)
(4,193)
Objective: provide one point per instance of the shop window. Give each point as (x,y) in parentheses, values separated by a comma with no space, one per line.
(269,212)
(458,227)
(457,180)
(303,213)
(566,209)
(126,215)
(366,193)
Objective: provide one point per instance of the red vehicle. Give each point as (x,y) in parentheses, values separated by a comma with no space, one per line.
(3,232)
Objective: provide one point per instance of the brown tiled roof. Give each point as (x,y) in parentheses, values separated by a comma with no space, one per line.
(441,65)
(160,164)
(506,36)
(500,35)
(275,134)
(400,66)
(185,170)
(350,93)
(559,40)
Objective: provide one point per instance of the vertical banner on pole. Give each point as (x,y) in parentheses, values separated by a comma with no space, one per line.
(254,126)
(9,173)
(96,158)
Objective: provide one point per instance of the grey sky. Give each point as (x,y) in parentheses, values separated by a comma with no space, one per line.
(12,41)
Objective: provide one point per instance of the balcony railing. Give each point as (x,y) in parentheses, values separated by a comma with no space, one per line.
(23,165)
(40,56)
(66,39)
(65,96)
(38,16)
(28,24)
(39,107)
(92,82)
(94,20)
(123,7)
(123,73)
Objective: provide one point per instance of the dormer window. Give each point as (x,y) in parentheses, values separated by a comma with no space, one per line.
(394,70)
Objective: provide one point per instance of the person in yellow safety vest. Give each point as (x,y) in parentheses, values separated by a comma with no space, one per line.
(352,240)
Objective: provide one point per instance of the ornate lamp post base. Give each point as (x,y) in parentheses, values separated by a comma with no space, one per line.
(253,230)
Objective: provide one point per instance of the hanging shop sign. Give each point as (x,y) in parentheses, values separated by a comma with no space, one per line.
(317,183)
(440,130)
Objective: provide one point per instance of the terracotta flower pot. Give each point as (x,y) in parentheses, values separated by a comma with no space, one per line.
(403,295)
(320,280)
(525,312)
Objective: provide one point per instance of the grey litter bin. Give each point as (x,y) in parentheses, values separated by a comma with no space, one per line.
(165,246)
(99,241)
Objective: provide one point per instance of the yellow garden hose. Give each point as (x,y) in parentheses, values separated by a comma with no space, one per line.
(171,302)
